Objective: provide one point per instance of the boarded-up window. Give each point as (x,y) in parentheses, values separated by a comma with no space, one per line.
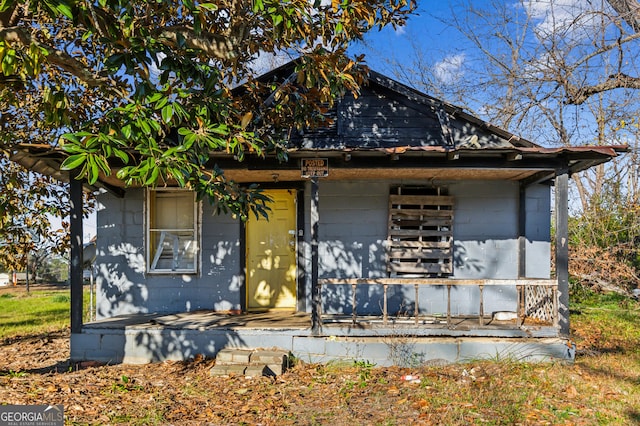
(420,241)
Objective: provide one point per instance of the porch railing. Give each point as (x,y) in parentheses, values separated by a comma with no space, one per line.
(536,298)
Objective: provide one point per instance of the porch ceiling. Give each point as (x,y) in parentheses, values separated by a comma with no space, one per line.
(528,164)
(387,173)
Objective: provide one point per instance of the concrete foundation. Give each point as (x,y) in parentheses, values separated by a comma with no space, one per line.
(141,339)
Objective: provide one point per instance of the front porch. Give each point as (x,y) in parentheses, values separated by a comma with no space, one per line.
(144,338)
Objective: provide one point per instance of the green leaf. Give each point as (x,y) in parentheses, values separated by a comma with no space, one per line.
(103,165)
(209,6)
(70,137)
(72,149)
(221,129)
(65,9)
(156,97)
(6,5)
(161,102)
(73,161)
(144,126)
(121,155)
(189,140)
(167,113)
(126,131)
(123,173)
(93,170)
(153,177)
(258,6)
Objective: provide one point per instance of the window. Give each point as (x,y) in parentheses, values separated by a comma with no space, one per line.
(420,240)
(172,236)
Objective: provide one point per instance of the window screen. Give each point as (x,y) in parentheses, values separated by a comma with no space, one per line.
(172,232)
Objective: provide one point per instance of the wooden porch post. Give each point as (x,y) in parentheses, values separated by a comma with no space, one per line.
(562,248)
(316,297)
(75,274)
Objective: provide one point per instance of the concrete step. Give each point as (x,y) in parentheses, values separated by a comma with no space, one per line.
(250,362)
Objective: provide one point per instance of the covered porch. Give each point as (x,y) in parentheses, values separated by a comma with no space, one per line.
(383,340)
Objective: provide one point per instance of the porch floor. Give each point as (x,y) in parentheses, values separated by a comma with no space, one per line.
(144,338)
(202,320)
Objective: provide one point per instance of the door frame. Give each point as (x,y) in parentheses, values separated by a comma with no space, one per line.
(301,293)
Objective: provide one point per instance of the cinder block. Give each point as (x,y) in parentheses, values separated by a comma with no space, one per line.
(233,356)
(258,371)
(308,345)
(112,341)
(275,369)
(227,370)
(82,342)
(269,357)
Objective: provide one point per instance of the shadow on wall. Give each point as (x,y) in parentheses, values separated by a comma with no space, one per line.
(125,287)
(339,259)
(461,259)
(357,260)
(124,290)
(118,293)
(184,343)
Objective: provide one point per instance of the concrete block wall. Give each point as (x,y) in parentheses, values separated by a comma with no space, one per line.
(124,286)
(416,351)
(538,245)
(144,345)
(352,234)
(353,231)
(485,229)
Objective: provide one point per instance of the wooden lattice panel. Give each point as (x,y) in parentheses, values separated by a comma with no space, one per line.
(420,240)
(539,303)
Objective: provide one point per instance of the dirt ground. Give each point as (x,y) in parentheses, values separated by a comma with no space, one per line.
(36,370)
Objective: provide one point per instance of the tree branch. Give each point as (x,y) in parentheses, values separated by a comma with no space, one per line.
(214,45)
(578,95)
(629,11)
(54,56)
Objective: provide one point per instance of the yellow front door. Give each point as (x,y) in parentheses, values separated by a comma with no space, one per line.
(271,255)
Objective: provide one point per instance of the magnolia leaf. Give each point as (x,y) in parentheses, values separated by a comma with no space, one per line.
(6,5)
(65,10)
(73,161)
(246,119)
(167,113)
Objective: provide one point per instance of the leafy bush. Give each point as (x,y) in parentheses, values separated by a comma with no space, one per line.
(604,240)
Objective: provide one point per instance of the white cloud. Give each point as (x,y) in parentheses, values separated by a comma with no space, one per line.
(399,31)
(571,18)
(449,70)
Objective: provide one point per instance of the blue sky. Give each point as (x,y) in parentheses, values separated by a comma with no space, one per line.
(430,32)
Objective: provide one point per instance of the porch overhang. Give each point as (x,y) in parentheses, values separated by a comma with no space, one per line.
(525,164)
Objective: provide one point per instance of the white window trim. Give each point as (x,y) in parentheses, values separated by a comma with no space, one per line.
(197,211)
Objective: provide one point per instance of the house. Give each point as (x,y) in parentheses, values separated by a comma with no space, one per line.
(12,278)
(407,231)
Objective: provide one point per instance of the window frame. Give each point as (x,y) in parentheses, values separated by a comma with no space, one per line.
(150,253)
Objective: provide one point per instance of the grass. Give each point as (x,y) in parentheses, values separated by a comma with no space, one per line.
(601,387)
(38,311)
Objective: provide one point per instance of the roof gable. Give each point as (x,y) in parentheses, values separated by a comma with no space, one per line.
(389,114)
